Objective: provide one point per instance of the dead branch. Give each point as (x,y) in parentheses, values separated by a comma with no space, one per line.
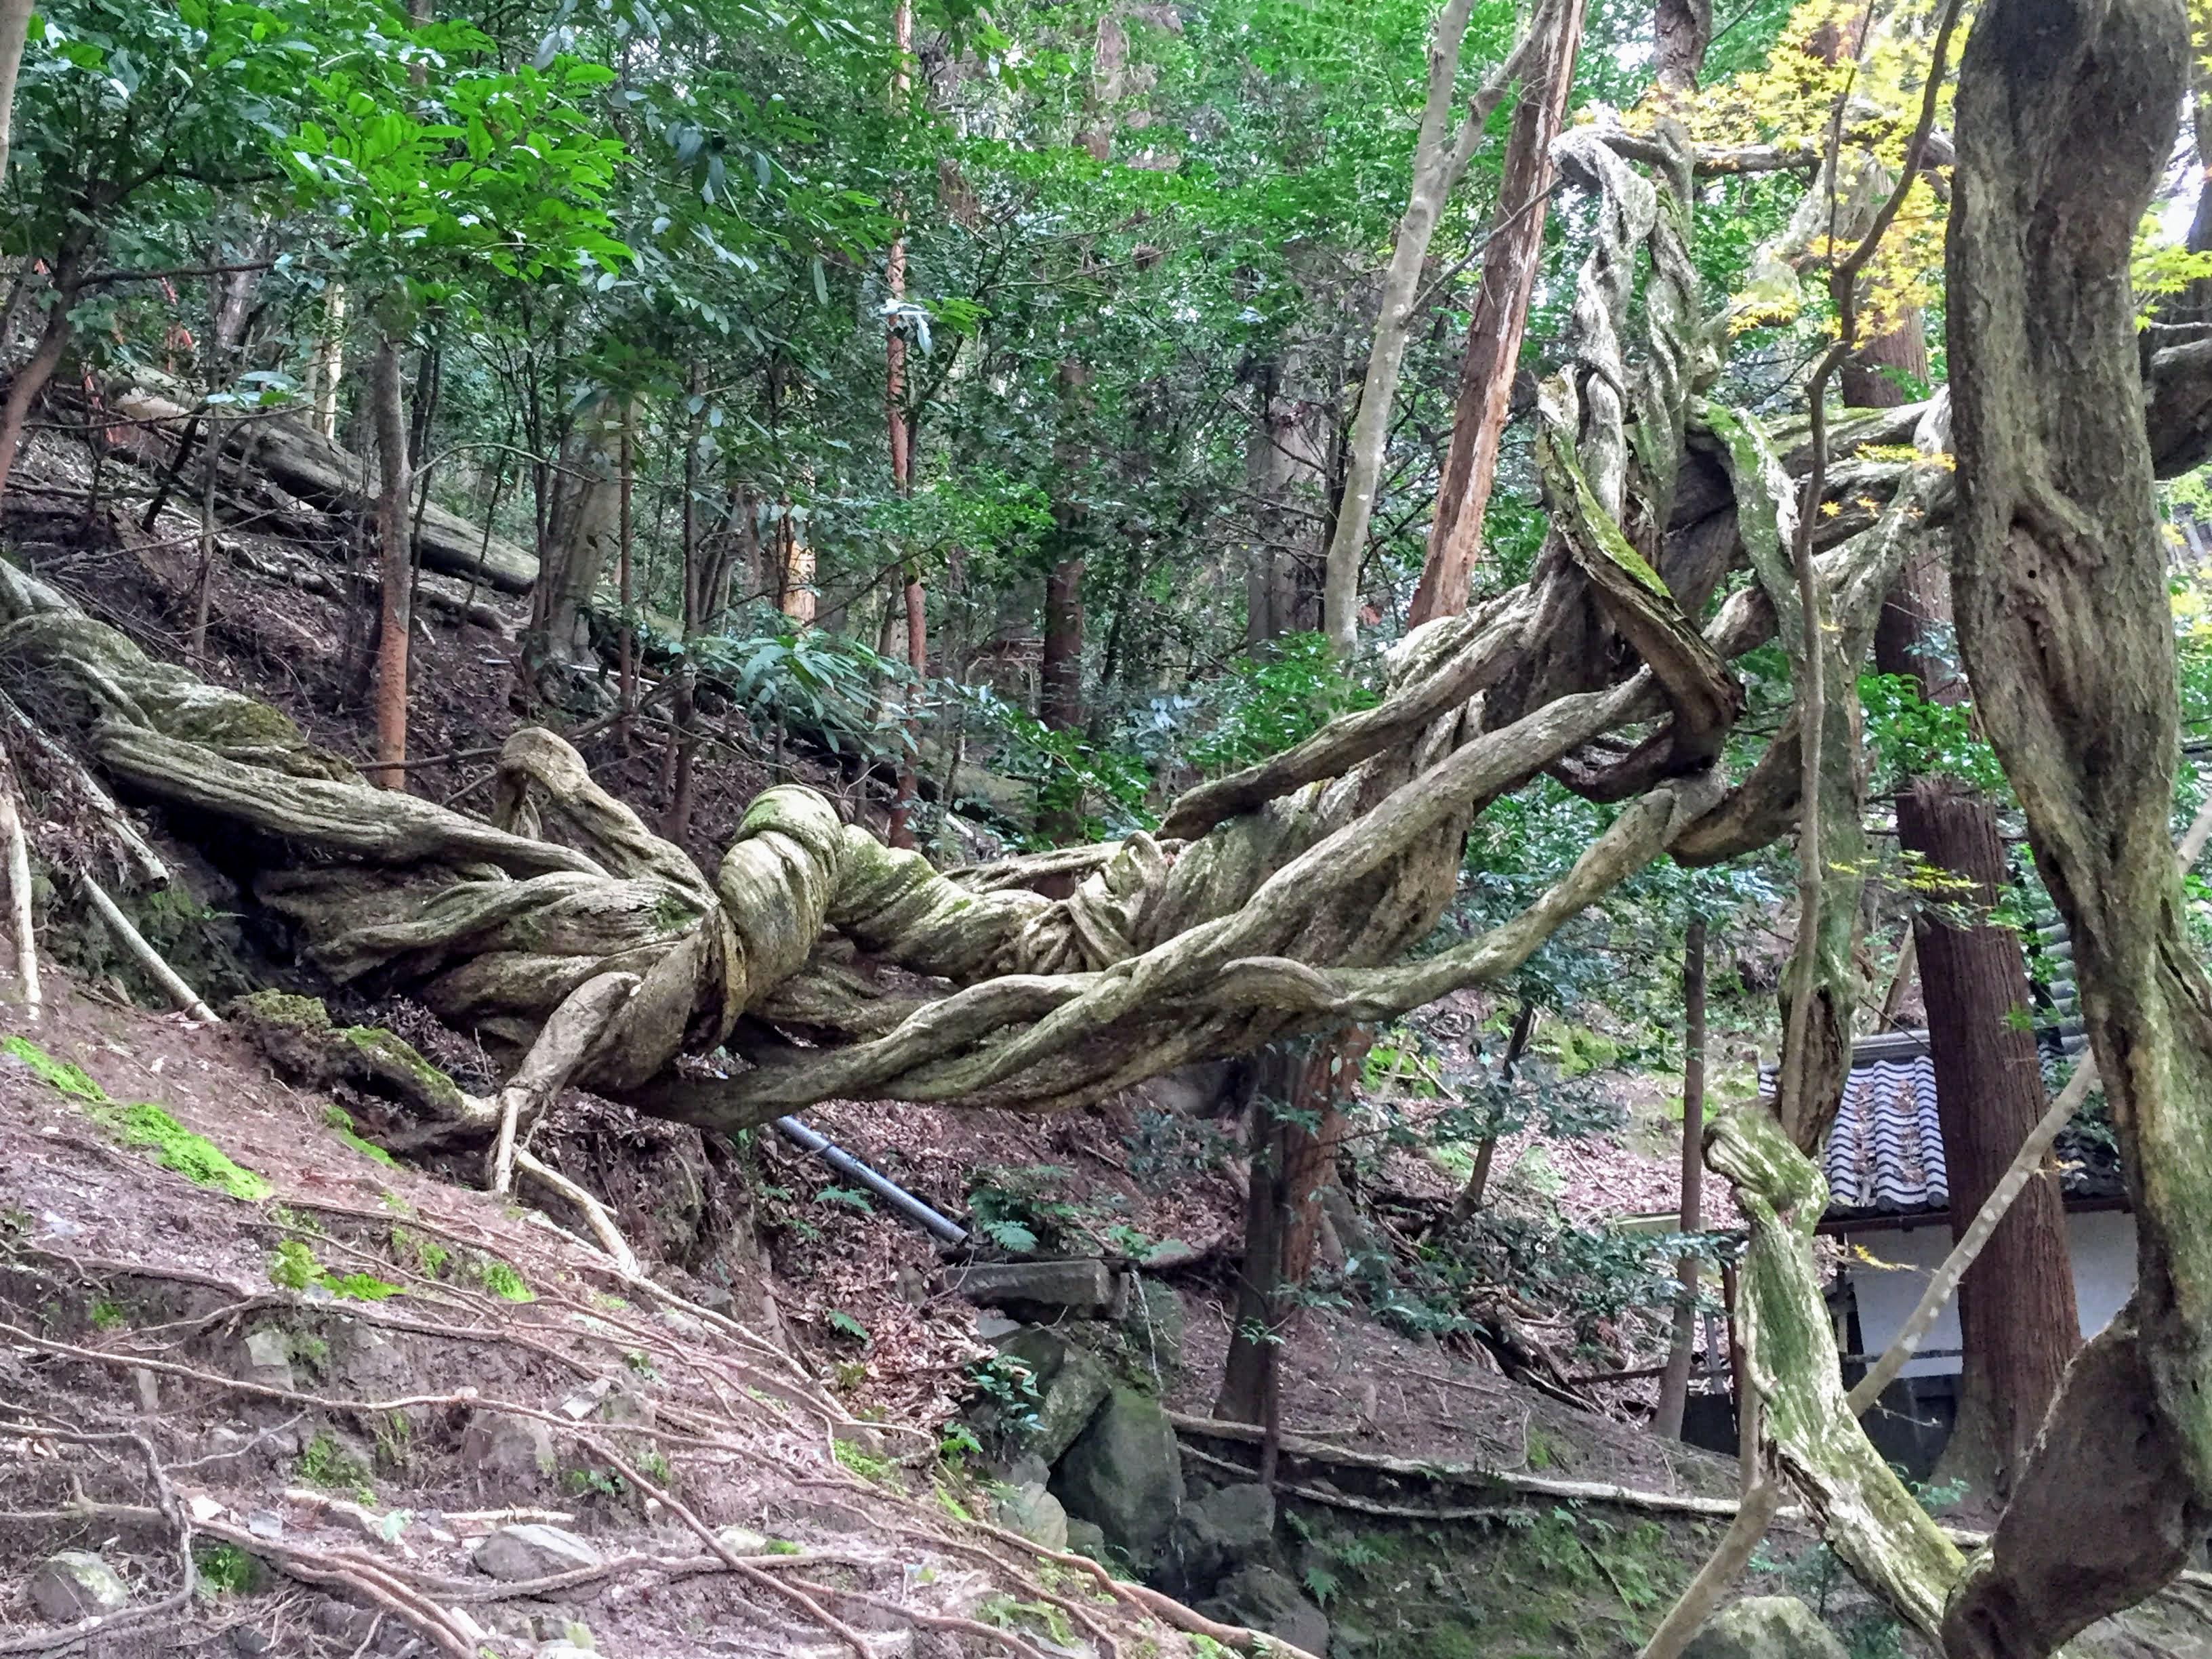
(147,958)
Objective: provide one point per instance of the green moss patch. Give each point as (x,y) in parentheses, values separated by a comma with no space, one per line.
(341,1125)
(144,1125)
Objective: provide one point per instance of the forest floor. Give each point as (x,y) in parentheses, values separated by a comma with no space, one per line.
(358,1370)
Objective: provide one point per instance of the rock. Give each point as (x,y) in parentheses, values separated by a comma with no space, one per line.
(367,1362)
(1188,1093)
(1125,1472)
(535,1551)
(862,1437)
(1037,1514)
(73,1586)
(269,1358)
(1080,1287)
(742,1540)
(1154,1324)
(1230,1527)
(1071,1383)
(1765,1627)
(507,1453)
(995,1328)
(1087,1538)
(245,1639)
(564,1651)
(1266,1601)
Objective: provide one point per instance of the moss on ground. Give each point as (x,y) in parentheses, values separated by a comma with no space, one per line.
(1533,1583)
(341,1125)
(144,1125)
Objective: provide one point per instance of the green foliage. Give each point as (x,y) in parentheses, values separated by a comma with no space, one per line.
(225,1568)
(1020,1207)
(869,1465)
(107,1313)
(498,1277)
(324,1462)
(293,1267)
(1910,738)
(340,1123)
(1274,702)
(1002,1398)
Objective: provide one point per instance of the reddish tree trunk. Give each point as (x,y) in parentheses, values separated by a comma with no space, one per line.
(1510,263)
(901,831)
(398,614)
(2017,1316)
(1290,1166)
(31,380)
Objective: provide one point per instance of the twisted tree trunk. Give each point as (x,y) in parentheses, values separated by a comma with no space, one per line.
(2065,115)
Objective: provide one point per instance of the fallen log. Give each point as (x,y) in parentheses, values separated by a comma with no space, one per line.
(303,463)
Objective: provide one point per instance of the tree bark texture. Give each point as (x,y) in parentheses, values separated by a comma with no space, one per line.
(29,380)
(395,563)
(1440,160)
(2019,1322)
(1291,1161)
(582,540)
(1286,478)
(2066,114)
(2016,1310)
(1683,30)
(1511,259)
(15,24)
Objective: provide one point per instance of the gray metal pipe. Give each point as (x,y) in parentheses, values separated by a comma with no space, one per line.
(853,1169)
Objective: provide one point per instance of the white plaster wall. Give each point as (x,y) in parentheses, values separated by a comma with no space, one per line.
(2104,1247)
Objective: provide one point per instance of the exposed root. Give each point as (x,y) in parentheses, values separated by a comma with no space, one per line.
(595,1213)
(147,958)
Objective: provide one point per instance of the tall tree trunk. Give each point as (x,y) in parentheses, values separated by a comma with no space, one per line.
(900,430)
(2017,1316)
(15,24)
(1440,160)
(1684,29)
(1289,1166)
(2065,117)
(626,671)
(1675,1385)
(326,367)
(1287,475)
(1511,259)
(396,618)
(1060,672)
(684,743)
(581,538)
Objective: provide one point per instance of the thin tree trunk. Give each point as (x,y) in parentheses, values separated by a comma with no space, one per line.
(1060,672)
(1471,1196)
(626,672)
(1289,1164)
(31,380)
(2018,1321)
(327,368)
(900,430)
(1511,259)
(15,24)
(683,742)
(1440,160)
(396,619)
(1675,1385)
